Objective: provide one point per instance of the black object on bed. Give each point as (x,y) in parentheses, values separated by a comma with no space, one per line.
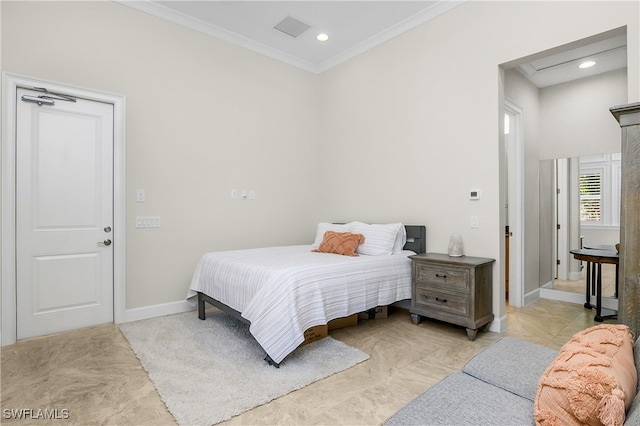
(416,242)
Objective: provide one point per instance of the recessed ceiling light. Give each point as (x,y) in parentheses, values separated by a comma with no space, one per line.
(586,64)
(322,37)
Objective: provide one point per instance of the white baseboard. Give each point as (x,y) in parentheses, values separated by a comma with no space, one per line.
(575,276)
(498,325)
(137,314)
(531,296)
(564,296)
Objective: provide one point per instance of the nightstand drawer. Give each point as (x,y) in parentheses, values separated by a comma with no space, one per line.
(426,298)
(444,278)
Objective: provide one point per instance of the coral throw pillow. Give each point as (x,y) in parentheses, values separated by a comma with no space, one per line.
(344,243)
(592,381)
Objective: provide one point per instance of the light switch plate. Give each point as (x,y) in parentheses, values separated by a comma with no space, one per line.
(147,221)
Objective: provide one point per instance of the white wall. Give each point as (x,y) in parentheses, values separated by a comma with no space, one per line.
(411,126)
(576,120)
(605,235)
(203,117)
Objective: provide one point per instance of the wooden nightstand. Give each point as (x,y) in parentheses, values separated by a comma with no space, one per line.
(457,290)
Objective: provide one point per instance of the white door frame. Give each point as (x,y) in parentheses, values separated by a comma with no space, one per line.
(561,213)
(10,84)
(516,202)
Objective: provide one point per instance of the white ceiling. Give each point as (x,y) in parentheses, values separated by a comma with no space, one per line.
(354,27)
(550,69)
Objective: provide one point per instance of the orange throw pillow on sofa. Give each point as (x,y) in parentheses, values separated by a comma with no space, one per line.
(344,243)
(592,381)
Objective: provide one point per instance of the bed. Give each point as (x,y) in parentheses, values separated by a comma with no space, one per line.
(283,291)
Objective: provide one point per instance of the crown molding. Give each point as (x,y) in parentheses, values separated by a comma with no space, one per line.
(158,10)
(162,12)
(411,22)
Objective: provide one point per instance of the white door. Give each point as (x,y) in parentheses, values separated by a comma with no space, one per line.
(64,214)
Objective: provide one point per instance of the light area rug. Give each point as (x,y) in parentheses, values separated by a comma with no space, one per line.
(209,371)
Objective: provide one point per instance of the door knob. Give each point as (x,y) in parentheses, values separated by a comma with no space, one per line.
(104,243)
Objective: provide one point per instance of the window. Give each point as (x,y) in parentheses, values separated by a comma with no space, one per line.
(600,190)
(590,197)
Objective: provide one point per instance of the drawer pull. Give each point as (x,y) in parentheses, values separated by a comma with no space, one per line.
(441,276)
(437,299)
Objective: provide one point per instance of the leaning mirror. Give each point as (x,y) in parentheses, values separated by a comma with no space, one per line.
(579,208)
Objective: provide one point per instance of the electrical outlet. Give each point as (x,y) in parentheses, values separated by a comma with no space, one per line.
(234,194)
(141,197)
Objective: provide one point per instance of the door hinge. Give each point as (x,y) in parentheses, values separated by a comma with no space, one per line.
(558,226)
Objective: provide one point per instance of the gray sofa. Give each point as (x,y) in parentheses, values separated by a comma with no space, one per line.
(496,387)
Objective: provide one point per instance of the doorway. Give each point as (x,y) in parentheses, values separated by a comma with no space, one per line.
(63,230)
(514,229)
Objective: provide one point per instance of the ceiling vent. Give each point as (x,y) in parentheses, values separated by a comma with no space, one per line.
(292,27)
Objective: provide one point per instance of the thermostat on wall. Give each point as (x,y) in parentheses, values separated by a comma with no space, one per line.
(474,194)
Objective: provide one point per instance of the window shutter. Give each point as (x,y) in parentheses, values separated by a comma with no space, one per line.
(590,197)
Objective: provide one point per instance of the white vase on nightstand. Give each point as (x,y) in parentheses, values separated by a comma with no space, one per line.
(455,245)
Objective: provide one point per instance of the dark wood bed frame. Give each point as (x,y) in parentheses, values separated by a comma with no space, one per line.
(416,242)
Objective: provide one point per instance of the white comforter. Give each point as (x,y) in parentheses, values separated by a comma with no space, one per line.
(283,291)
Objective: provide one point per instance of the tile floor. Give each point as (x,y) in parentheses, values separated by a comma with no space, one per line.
(92,377)
(579,286)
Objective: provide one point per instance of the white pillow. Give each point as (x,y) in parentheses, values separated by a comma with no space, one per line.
(401,239)
(378,239)
(324,227)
